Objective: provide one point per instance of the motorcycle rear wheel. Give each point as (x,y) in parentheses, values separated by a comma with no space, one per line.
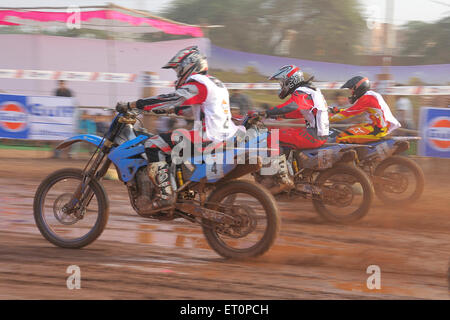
(363,183)
(267,203)
(387,194)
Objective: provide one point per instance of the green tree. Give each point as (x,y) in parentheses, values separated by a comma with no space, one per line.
(430,40)
(317,29)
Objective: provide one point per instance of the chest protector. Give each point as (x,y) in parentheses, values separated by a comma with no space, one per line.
(319,121)
(387,114)
(216,108)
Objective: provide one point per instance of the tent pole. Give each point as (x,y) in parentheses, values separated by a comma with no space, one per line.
(111,57)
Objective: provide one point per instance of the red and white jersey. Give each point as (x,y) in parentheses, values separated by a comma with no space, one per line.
(305,103)
(215,107)
(375,109)
(206,95)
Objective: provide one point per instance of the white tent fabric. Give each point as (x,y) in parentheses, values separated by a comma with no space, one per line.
(41,52)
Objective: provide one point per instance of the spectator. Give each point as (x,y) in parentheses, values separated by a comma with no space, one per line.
(341,100)
(404,113)
(241,101)
(85,126)
(62,90)
(103,122)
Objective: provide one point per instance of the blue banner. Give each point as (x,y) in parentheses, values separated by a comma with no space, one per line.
(37,117)
(226,59)
(435,132)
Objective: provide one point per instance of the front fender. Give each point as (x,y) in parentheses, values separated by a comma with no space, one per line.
(89,138)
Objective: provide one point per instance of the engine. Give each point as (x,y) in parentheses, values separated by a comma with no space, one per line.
(142,190)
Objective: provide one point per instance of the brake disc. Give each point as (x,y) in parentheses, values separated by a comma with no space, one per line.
(244,222)
(338,194)
(62,213)
(398,183)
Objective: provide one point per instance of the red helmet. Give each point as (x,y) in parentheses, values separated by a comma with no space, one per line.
(186,62)
(290,77)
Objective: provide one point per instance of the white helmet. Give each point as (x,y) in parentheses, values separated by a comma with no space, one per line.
(186,62)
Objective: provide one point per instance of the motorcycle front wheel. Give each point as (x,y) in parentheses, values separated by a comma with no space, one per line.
(257,212)
(346,194)
(74,228)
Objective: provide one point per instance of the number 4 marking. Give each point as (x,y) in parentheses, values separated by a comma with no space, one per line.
(225,124)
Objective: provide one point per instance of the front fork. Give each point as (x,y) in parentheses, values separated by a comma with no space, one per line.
(83,193)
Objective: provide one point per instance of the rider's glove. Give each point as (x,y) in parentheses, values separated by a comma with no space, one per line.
(122,107)
(159,111)
(334,110)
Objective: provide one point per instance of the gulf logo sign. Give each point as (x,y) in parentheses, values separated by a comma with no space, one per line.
(434,132)
(13,117)
(438,133)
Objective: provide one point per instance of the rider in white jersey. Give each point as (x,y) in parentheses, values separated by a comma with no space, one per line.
(209,100)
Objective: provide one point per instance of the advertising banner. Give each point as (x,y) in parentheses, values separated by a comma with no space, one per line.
(435,132)
(37,117)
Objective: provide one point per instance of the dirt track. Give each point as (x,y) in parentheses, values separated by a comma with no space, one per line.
(137,258)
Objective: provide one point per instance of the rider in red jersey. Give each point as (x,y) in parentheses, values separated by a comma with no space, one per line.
(380,120)
(306,104)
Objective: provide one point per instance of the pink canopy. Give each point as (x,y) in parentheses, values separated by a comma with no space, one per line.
(113,18)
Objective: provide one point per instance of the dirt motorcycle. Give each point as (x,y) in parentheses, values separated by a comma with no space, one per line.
(239,218)
(397,180)
(340,191)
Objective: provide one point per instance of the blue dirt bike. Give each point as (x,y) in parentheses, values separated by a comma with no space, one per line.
(239,218)
(397,180)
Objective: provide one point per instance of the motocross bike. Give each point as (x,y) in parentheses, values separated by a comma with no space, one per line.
(340,191)
(397,180)
(239,218)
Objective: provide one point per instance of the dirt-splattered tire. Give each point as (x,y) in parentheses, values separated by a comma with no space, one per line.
(409,164)
(266,200)
(100,223)
(367,189)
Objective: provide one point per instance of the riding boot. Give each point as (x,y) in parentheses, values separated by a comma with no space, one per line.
(286,181)
(158,172)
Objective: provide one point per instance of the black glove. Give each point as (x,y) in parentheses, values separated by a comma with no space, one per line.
(333,110)
(122,107)
(179,110)
(159,111)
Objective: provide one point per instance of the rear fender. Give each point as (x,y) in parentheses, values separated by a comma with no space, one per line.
(349,155)
(401,146)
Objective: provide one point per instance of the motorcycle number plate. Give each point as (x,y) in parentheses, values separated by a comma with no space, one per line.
(214,168)
(325,158)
